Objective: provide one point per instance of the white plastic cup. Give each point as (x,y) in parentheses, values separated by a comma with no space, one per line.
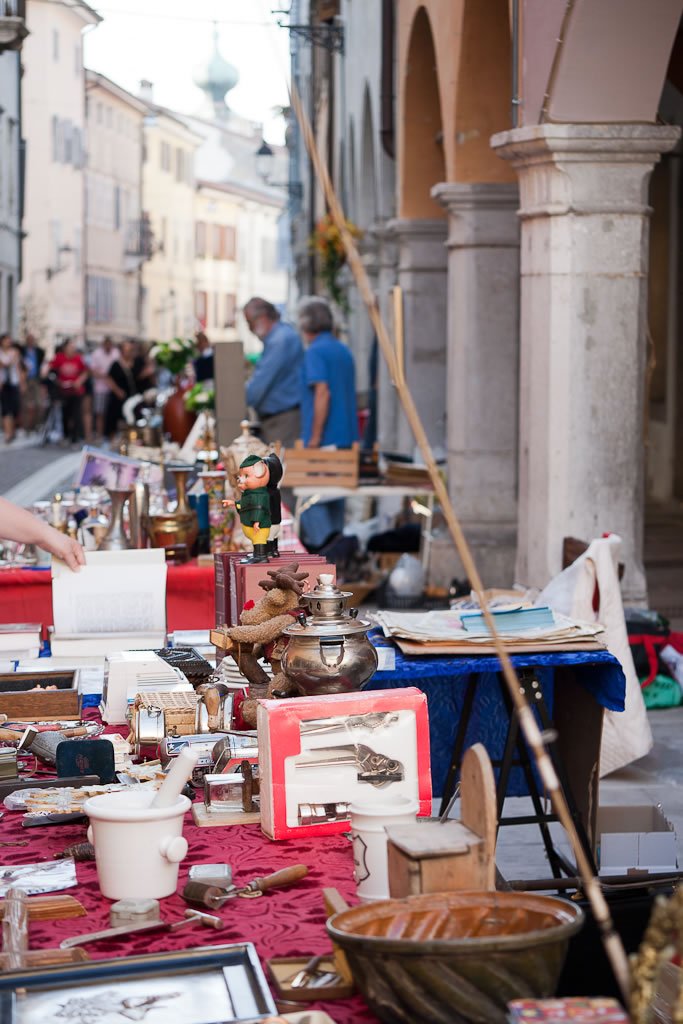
(368,823)
(138,848)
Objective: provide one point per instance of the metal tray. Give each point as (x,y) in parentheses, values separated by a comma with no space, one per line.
(228,979)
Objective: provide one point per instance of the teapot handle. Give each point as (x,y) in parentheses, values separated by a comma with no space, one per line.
(331,646)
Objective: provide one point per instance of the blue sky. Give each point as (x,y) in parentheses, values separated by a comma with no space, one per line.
(165,40)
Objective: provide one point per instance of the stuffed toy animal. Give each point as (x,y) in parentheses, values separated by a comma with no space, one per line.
(261,626)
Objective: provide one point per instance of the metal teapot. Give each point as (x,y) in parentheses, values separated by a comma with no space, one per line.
(328,649)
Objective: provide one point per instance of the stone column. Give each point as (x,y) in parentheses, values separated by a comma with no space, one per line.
(422,274)
(584,264)
(388,405)
(483,369)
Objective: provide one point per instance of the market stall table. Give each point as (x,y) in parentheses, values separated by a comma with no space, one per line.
(577,687)
(312,494)
(285,922)
(26,596)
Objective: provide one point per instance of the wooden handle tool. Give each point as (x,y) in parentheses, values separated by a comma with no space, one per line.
(279,878)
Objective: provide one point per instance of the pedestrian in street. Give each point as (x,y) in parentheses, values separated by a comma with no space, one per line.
(72,374)
(33,399)
(10,386)
(274,388)
(101,362)
(23,527)
(328,408)
(128,376)
(203,363)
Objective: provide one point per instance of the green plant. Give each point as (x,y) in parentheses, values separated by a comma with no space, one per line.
(174,354)
(200,399)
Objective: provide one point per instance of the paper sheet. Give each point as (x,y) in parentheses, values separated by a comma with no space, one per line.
(114,592)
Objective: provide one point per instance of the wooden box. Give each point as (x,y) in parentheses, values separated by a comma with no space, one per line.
(284,968)
(321,467)
(40,696)
(431,857)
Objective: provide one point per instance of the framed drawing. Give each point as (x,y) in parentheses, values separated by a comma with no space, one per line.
(206,985)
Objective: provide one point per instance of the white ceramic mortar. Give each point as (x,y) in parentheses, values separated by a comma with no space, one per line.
(137,848)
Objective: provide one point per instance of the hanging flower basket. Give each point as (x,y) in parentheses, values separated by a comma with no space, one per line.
(326,242)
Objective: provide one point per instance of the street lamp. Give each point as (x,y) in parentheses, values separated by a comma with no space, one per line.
(264,168)
(51,271)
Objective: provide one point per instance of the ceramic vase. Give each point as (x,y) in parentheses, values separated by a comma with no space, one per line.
(115,538)
(221,520)
(177,421)
(177,529)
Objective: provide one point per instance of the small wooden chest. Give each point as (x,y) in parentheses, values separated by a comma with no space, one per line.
(40,696)
(431,857)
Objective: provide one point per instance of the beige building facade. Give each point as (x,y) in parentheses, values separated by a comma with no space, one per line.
(52,293)
(215,295)
(115,235)
(237,233)
(168,188)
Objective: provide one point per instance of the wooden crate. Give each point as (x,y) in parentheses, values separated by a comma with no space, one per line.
(321,467)
(40,696)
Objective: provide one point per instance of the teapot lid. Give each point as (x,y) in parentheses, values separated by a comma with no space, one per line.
(327,612)
(326,589)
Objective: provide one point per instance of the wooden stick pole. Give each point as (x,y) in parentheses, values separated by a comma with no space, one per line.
(532,734)
(399,335)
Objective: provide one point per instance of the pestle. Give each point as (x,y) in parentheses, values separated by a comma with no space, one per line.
(173,784)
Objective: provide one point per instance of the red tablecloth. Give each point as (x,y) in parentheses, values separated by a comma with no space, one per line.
(285,922)
(26,596)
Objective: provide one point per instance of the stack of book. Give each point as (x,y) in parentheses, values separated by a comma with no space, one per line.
(508,621)
(116,602)
(237,582)
(19,641)
(445,632)
(408,474)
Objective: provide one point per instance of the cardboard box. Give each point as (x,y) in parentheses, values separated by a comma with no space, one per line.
(635,839)
(295,734)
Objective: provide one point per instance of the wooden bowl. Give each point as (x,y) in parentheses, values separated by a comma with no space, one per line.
(451,958)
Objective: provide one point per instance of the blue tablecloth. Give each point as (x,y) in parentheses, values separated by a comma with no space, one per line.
(444,681)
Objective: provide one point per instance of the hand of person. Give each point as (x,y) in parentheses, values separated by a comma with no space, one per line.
(66,548)
(228,503)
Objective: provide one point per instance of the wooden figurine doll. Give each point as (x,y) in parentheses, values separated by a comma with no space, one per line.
(253,507)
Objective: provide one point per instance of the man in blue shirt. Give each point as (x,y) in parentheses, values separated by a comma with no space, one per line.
(274,388)
(328,407)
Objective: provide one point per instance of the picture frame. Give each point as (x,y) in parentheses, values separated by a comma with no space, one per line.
(206,985)
(99,468)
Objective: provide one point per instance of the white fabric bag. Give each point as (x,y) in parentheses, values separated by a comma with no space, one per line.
(626,735)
